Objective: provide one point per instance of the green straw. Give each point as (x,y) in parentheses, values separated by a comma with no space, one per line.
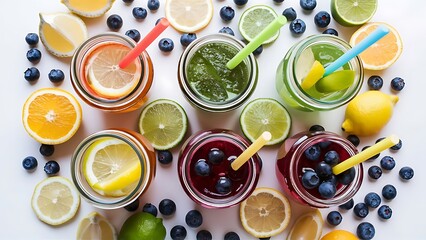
(264,35)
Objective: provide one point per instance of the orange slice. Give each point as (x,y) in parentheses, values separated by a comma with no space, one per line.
(51,115)
(339,235)
(384,52)
(189,15)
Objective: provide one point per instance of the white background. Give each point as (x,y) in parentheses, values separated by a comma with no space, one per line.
(21,17)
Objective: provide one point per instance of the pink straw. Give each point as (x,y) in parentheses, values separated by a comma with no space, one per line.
(144,43)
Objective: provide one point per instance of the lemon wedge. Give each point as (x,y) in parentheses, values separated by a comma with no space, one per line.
(189,15)
(61,33)
(307,227)
(96,226)
(90,9)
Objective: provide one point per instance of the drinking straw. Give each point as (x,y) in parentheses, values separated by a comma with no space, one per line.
(144,43)
(251,150)
(365,154)
(375,36)
(264,35)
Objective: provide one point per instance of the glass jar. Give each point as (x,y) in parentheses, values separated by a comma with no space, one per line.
(117,199)
(128,102)
(222,187)
(205,80)
(298,61)
(291,164)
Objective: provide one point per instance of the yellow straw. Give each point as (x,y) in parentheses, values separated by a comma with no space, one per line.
(251,150)
(366,154)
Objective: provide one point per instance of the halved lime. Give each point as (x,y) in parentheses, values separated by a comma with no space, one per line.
(254,20)
(265,114)
(353,12)
(163,122)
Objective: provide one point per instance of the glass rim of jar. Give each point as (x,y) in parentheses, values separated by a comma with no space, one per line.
(79,58)
(355,64)
(198,100)
(185,179)
(96,199)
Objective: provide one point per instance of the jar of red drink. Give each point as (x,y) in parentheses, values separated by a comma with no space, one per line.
(205,171)
(303,169)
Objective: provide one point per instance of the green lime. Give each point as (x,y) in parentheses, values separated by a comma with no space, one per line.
(265,114)
(336,81)
(254,20)
(142,225)
(163,122)
(353,12)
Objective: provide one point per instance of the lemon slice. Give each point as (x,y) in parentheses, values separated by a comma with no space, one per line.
(90,9)
(265,213)
(254,20)
(55,200)
(61,33)
(307,227)
(189,15)
(111,166)
(315,74)
(96,226)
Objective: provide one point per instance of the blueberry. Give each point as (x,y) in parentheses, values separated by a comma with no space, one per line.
(231,236)
(278,1)
(322,19)
(187,38)
(32,74)
(153,5)
(164,156)
(240,2)
(158,20)
(216,156)
(310,179)
(223,185)
(47,150)
(258,50)
(34,55)
(194,218)
(313,152)
(385,212)
(375,172)
(202,168)
(150,208)
(227,30)
(373,157)
(316,128)
(406,173)
(372,200)
(56,75)
(51,167)
(114,22)
(387,163)
(365,231)
(227,13)
(133,206)
(127,1)
(139,12)
(29,163)
(361,210)
(331,157)
(308,4)
(389,192)
(397,84)
(178,232)
(290,14)
(334,218)
(347,176)
(134,34)
(347,205)
(323,170)
(327,189)
(297,26)
(204,235)
(166,44)
(354,139)
(32,39)
(375,82)
(167,207)
(331,31)
(397,146)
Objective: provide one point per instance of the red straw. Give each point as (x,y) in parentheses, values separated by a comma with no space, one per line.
(144,43)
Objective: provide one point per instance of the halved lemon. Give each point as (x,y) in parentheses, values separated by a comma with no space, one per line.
(55,200)
(51,115)
(265,213)
(90,9)
(61,33)
(96,226)
(307,227)
(189,16)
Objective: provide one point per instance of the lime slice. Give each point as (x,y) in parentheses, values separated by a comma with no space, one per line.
(315,74)
(254,20)
(265,114)
(163,122)
(336,81)
(353,12)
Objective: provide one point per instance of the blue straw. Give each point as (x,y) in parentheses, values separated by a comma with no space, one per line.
(375,36)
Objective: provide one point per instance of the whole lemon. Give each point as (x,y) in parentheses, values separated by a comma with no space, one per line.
(142,225)
(339,235)
(368,113)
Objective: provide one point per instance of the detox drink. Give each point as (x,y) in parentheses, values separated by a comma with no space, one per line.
(297,63)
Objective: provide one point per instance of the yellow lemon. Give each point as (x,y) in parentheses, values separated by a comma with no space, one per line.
(307,227)
(90,9)
(368,113)
(339,235)
(96,226)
